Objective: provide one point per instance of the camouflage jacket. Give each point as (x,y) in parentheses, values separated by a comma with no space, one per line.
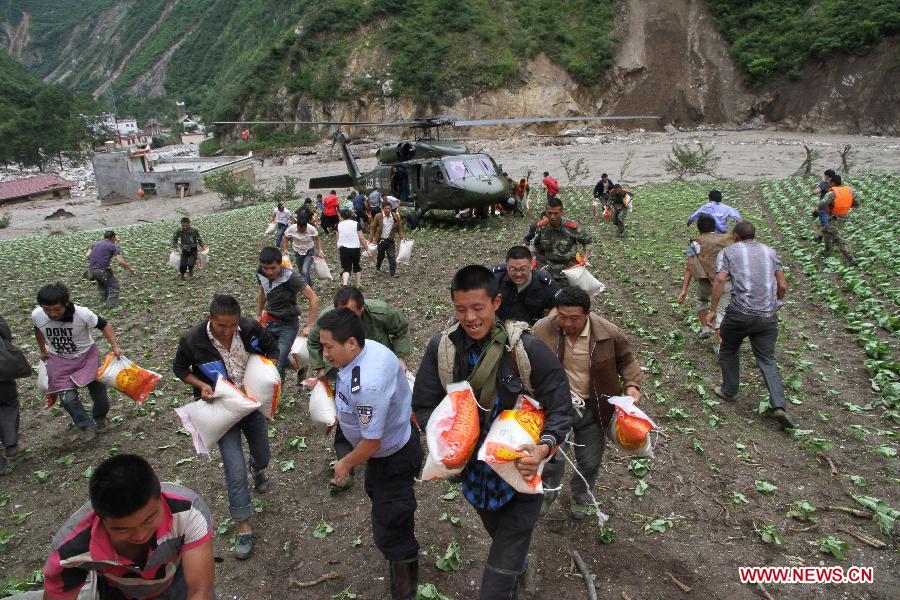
(559,244)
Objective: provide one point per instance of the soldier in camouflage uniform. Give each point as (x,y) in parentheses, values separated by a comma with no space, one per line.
(556,242)
(615,200)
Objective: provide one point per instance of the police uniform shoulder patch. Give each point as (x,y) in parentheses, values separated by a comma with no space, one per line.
(364,413)
(571,224)
(543,222)
(355,383)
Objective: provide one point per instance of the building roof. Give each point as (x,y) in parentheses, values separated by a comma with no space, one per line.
(19,188)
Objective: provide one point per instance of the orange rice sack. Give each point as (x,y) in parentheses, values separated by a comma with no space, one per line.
(630,428)
(127,377)
(263,383)
(451,433)
(286,262)
(511,430)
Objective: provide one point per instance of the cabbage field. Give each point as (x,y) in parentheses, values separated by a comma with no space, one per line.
(726,488)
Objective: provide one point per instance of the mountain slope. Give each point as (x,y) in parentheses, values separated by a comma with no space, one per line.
(690,61)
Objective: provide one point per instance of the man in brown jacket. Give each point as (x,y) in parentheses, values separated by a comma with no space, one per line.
(386,226)
(598,361)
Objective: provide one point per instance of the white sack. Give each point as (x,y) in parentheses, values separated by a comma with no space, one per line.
(405,252)
(299,356)
(175,259)
(322,270)
(581,278)
(263,384)
(207,422)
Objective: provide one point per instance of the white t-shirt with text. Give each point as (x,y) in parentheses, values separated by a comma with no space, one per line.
(67,338)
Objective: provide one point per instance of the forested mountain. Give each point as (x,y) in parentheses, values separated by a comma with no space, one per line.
(384,58)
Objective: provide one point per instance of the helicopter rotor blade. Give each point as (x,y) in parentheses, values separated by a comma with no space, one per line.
(338,123)
(525,120)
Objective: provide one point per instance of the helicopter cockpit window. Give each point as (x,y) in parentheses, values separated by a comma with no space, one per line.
(456,169)
(470,167)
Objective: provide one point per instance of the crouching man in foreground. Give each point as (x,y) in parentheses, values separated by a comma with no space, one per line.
(137,537)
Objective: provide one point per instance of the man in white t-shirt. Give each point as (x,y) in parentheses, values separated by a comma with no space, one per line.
(63,331)
(305,241)
(282,219)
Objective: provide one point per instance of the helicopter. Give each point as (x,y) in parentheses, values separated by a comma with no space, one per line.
(428,172)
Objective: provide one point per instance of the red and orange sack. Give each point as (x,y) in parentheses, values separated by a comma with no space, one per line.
(511,430)
(127,377)
(630,428)
(451,433)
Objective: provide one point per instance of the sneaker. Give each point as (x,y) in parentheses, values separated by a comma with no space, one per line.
(705,331)
(260,481)
(396,275)
(783,419)
(346,484)
(244,547)
(718,392)
(14,450)
(102,426)
(88,434)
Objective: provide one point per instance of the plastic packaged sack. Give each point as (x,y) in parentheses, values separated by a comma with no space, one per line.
(175,259)
(373,250)
(203,258)
(510,430)
(322,409)
(43,379)
(322,270)
(207,422)
(580,277)
(263,383)
(270,229)
(411,378)
(629,429)
(286,262)
(404,254)
(451,433)
(629,202)
(607,214)
(299,356)
(130,379)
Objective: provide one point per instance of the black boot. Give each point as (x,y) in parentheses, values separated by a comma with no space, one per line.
(404,579)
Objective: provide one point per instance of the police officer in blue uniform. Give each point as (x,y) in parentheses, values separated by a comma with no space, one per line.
(374,406)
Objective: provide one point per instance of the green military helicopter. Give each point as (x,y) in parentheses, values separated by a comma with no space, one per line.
(428,172)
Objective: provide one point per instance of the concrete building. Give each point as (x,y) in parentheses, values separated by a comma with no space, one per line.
(126,126)
(133,174)
(40,187)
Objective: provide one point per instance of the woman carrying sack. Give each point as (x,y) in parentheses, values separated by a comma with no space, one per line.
(350,244)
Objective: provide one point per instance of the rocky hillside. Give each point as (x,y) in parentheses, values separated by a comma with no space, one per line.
(818,64)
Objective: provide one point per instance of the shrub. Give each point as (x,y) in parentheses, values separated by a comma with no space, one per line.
(684,161)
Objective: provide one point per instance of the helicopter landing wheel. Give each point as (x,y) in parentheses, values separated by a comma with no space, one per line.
(414,218)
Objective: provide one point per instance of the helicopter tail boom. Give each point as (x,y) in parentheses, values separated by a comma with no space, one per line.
(331,181)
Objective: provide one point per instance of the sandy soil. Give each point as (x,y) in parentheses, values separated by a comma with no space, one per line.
(744,155)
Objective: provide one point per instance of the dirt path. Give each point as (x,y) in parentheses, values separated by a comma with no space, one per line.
(744,155)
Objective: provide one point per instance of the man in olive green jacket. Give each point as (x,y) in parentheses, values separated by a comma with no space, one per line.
(599,364)
(383,323)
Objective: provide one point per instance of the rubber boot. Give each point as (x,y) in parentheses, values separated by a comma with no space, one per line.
(404,579)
